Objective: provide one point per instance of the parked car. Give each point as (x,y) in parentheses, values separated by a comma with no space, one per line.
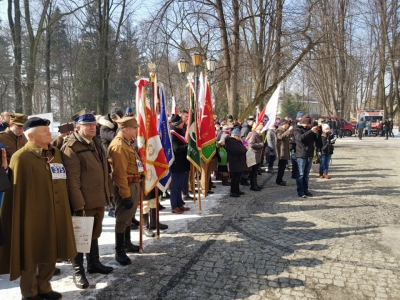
(347,126)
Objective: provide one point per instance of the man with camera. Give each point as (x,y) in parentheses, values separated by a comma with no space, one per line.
(304,138)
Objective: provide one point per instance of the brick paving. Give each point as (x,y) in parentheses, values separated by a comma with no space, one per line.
(343,243)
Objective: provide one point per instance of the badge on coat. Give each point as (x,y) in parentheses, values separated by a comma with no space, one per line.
(139,165)
(58,171)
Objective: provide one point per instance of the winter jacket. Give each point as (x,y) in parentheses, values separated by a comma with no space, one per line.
(108,131)
(246,129)
(327,147)
(271,140)
(282,143)
(256,145)
(236,155)
(179,146)
(87,172)
(305,139)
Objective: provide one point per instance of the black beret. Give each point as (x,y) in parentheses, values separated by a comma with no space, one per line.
(35,122)
(176,120)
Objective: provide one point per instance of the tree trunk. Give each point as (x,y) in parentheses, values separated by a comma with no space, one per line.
(15,27)
(47,61)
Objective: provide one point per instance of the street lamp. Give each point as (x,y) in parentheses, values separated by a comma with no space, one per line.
(211,64)
(183,66)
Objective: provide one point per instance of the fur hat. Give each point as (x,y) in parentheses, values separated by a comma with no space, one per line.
(176,119)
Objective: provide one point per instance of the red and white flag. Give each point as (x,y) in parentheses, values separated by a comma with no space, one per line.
(174,110)
(149,144)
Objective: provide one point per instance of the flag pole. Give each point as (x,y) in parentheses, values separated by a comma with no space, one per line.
(141,217)
(205,168)
(198,191)
(157,215)
(155,109)
(192,182)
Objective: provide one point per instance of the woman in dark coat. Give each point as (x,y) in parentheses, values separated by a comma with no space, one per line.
(326,151)
(236,160)
(256,145)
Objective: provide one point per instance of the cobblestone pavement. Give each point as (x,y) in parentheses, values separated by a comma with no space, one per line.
(343,243)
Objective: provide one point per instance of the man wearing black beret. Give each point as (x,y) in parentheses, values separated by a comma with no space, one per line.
(35,214)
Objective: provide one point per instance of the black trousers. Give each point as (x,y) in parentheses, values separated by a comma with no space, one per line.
(281,170)
(360,133)
(254,171)
(235,181)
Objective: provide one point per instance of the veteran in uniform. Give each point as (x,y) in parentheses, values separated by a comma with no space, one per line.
(88,188)
(13,137)
(127,170)
(35,216)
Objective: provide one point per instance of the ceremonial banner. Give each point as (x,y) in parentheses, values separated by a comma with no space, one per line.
(207,129)
(174,110)
(193,153)
(271,107)
(148,141)
(165,136)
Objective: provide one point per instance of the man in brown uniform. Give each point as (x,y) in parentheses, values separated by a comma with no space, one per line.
(126,174)
(13,138)
(35,215)
(88,188)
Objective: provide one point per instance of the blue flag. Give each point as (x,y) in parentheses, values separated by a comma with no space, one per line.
(163,130)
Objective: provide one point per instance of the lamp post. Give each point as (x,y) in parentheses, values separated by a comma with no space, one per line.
(197,60)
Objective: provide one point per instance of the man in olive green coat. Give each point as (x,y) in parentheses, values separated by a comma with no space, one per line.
(13,137)
(88,180)
(35,215)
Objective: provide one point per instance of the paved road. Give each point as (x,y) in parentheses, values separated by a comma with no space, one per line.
(343,243)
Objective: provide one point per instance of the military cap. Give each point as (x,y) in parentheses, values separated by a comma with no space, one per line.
(127,122)
(84,117)
(35,122)
(18,119)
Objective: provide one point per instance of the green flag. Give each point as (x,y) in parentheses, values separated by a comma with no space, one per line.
(193,153)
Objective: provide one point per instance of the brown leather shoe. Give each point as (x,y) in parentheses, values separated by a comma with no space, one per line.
(326,176)
(182,208)
(177,211)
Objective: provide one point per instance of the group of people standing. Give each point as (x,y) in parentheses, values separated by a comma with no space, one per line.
(285,140)
(383,128)
(79,172)
(74,174)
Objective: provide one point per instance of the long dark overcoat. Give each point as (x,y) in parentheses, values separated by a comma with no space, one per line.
(35,214)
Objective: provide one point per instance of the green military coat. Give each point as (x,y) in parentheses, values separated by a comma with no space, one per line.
(35,214)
